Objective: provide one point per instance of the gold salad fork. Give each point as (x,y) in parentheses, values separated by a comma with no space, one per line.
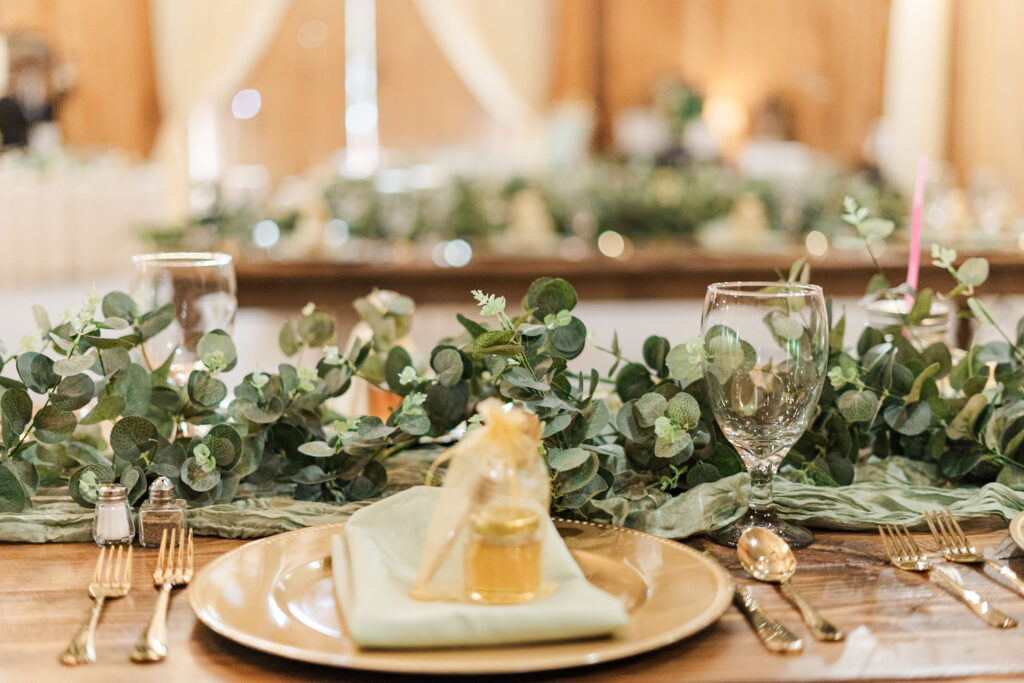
(111,579)
(152,644)
(905,554)
(956,548)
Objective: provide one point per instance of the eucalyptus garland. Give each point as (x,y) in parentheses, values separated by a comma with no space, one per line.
(81,405)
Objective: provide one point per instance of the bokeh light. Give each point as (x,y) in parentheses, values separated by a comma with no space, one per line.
(246,103)
(611,244)
(265,234)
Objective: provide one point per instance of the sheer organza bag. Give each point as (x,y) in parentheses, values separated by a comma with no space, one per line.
(485,539)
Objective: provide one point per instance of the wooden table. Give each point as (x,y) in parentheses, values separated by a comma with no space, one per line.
(667,272)
(899,625)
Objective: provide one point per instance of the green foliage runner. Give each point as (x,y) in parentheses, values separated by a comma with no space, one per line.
(619,441)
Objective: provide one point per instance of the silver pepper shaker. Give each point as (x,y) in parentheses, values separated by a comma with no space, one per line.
(162,512)
(113,524)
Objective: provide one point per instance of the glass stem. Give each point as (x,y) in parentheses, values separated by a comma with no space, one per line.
(761,478)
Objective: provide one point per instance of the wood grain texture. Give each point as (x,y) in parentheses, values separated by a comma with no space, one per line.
(987,111)
(114,103)
(824,59)
(301,122)
(900,625)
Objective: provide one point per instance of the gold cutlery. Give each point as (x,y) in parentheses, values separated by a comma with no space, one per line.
(773,634)
(152,644)
(111,579)
(955,547)
(767,557)
(905,554)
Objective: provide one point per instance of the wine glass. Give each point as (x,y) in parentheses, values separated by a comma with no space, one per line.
(765,351)
(202,288)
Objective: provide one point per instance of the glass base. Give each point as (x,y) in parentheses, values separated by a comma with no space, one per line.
(795,535)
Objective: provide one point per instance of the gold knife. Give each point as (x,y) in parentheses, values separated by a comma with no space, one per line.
(773,634)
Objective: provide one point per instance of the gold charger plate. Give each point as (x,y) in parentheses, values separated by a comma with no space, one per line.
(1017,530)
(277,595)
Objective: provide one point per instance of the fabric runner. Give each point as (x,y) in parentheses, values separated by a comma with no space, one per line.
(892,491)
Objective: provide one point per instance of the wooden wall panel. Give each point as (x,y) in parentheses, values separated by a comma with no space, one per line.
(301,121)
(987,112)
(115,102)
(422,101)
(825,58)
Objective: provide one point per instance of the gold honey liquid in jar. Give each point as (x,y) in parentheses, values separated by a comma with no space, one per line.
(503,556)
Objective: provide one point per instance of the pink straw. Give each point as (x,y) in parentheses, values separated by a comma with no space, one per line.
(914,264)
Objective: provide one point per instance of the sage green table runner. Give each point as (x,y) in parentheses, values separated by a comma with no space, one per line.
(894,490)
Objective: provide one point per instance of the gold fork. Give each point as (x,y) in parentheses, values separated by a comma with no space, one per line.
(110,580)
(152,644)
(905,554)
(956,548)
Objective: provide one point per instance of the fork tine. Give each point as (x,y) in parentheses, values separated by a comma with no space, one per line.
(111,560)
(126,579)
(189,559)
(158,572)
(955,525)
(98,572)
(933,524)
(889,549)
(902,550)
(913,543)
(180,567)
(948,537)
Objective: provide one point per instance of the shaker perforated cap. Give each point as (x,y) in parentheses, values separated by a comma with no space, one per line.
(111,493)
(161,489)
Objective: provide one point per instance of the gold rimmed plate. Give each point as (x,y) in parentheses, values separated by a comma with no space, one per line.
(1017,529)
(277,595)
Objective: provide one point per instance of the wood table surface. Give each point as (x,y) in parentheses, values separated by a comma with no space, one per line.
(663,272)
(899,625)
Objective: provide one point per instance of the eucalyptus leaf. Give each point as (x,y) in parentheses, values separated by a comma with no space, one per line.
(156,321)
(132,437)
(36,371)
(447,363)
(973,271)
(118,305)
(16,413)
(565,459)
(196,478)
(217,350)
(317,449)
(73,392)
(53,425)
(84,483)
(12,493)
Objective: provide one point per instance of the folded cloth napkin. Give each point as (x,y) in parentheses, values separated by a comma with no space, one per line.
(375,562)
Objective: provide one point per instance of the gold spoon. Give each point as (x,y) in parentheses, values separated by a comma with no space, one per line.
(767,557)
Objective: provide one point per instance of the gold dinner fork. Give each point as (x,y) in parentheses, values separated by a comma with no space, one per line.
(110,580)
(956,548)
(905,554)
(152,644)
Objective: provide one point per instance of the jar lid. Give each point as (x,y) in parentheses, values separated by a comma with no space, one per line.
(111,493)
(161,489)
(506,521)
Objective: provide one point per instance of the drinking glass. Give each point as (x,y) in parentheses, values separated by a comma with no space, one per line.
(202,288)
(765,352)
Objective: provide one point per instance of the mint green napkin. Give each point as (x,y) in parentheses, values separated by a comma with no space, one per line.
(375,562)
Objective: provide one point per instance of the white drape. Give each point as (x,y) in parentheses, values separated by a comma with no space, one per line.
(502,51)
(202,51)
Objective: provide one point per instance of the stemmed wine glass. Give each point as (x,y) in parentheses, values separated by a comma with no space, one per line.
(202,288)
(765,350)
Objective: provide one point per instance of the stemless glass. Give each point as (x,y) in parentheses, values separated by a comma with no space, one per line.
(765,352)
(201,287)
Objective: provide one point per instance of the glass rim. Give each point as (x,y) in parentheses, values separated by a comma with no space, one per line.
(752,287)
(184,258)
